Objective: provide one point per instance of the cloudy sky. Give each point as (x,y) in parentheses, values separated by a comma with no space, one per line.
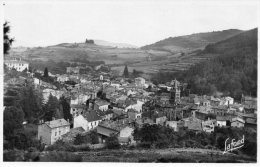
(135,22)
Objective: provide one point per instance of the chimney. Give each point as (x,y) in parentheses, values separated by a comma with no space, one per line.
(68,120)
(53,118)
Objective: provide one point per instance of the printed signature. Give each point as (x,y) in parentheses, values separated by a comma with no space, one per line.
(231,145)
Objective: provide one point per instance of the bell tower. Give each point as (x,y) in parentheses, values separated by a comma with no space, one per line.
(175,92)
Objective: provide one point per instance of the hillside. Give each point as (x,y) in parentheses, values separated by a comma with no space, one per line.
(191,42)
(231,67)
(113,44)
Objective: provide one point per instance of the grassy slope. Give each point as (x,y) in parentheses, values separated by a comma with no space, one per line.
(191,42)
(163,155)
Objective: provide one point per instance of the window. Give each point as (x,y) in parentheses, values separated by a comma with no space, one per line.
(55,133)
(59,132)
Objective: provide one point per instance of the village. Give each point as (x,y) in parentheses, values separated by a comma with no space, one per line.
(117,105)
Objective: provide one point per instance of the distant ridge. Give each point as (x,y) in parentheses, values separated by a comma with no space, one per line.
(191,42)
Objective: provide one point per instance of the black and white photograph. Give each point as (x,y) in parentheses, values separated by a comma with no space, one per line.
(129,81)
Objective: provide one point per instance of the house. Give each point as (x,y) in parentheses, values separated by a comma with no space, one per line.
(119,113)
(251,123)
(208,126)
(105,115)
(88,120)
(161,120)
(133,114)
(121,129)
(237,122)
(101,105)
(49,132)
(229,100)
(132,104)
(77,109)
(79,98)
(176,125)
(74,70)
(62,78)
(193,124)
(18,65)
(221,121)
(214,101)
(140,82)
(46,93)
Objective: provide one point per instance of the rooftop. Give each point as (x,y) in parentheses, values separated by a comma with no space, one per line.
(91,116)
(57,123)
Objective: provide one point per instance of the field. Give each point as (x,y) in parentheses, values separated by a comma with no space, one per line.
(164,155)
(147,61)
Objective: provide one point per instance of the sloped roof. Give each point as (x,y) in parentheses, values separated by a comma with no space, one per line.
(91,116)
(57,123)
(101,102)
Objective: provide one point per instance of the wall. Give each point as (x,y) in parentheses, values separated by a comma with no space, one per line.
(80,121)
(57,132)
(44,133)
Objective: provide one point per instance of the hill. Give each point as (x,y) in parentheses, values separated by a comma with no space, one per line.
(231,67)
(191,42)
(113,44)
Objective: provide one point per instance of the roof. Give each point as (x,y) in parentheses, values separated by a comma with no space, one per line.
(251,121)
(222,118)
(57,123)
(78,106)
(91,116)
(101,102)
(105,131)
(108,127)
(15,61)
(238,119)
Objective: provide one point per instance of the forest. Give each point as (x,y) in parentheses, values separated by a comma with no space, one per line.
(232,70)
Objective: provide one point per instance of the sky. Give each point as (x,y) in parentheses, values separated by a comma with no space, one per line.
(139,23)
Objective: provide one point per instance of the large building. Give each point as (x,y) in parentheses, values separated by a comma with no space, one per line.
(51,131)
(18,65)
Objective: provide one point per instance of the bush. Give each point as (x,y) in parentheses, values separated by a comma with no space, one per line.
(112,142)
(83,147)
(61,156)
(61,146)
(14,155)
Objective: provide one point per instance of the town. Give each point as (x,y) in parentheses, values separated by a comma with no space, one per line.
(107,106)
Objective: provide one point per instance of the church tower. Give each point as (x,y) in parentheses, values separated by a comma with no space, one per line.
(175,92)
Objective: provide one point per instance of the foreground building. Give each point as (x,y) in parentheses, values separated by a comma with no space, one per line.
(51,131)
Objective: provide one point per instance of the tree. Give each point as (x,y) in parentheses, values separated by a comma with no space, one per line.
(13,120)
(46,73)
(51,108)
(66,108)
(126,73)
(7,40)
(112,142)
(79,139)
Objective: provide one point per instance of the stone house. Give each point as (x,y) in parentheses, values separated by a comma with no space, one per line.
(237,122)
(88,120)
(77,109)
(49,132)
(101,105)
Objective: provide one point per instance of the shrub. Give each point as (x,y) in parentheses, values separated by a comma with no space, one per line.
(83,147)
(61,156)
(61,146)
(14,155)
(112,142)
